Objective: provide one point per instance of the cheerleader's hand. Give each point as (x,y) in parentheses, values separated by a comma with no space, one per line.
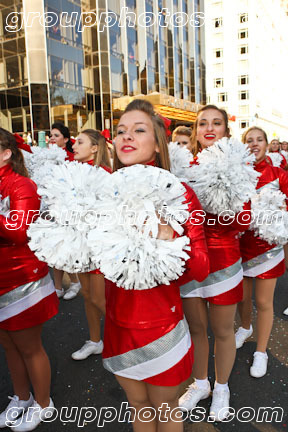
(165,232)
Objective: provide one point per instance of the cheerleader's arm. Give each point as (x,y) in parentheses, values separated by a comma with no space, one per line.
(197,266)
(24,205)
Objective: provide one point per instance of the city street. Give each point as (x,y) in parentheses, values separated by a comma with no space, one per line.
(86,384)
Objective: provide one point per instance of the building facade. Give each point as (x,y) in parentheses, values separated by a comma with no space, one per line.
(246,42)
(81,61)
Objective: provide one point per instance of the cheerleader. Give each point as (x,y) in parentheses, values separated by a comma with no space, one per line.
(261,261)
(90,147)
(143,327)
(182,135)
(60,135)
(27,293)
(215,298)
(274,147)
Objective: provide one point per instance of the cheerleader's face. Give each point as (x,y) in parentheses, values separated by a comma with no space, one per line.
(182,140)
(57,138)
(275,145)
(5,156)
(83,149)
(257,144)
(210,127)
(135,142)
(284,145)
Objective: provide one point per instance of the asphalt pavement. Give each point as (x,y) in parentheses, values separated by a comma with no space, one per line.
(87,397)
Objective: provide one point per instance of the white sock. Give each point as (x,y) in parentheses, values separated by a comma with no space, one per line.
(247,330)
(218,386)
(202,384)
(96,343)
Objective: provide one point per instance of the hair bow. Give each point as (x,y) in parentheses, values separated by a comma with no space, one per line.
(21,143)
(167,123)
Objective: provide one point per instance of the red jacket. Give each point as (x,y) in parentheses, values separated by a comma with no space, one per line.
(250,245)
(161,305)
(18,264)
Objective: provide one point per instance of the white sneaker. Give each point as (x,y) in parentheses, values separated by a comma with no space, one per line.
(15,409)
(72,291)
(193,395)
(60,293)
(219,409)
(87,349)
(33,417)
(285,312)
(259,366)
(241,335)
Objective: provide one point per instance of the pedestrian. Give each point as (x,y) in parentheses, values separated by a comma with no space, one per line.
(91,148)
(215,299)
(142,326)
(262,262)
(27,293)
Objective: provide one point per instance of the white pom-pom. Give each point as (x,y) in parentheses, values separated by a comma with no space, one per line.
(4,206)
(224,178)
(285,154)
(41,161)
(275,158)
(72,200)
(270,217)
(125,246)
(180,160)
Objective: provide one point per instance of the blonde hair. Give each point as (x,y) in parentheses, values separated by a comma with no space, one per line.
(195,145)
(251,129)
(162,158)
(101,157)
(181,130)
(270,145)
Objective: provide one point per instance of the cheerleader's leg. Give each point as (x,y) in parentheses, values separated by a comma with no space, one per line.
(161,398)
(93,314)
(196,313)
(16,366)
(138,398)
(222,325)
(29,345)
(97,291)
(264,294)
(245,306)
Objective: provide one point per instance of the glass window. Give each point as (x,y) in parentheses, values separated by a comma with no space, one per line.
(222,97)
(218,22)
(243,34)
(243,49)
(243,18)
(218,82)
(243,124)
(219,53)
(132,43)
(13,73)
(243,79)
(39,94)
(243,95)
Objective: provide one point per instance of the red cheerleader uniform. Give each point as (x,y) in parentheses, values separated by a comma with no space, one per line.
(70,155)
(283,162)
(260,259)
(224,285)
(27,293)
(146,336)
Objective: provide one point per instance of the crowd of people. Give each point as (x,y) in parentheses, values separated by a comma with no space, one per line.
(154,339)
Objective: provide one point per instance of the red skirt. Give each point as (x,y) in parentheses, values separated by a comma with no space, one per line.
(29,305)
(161,356)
